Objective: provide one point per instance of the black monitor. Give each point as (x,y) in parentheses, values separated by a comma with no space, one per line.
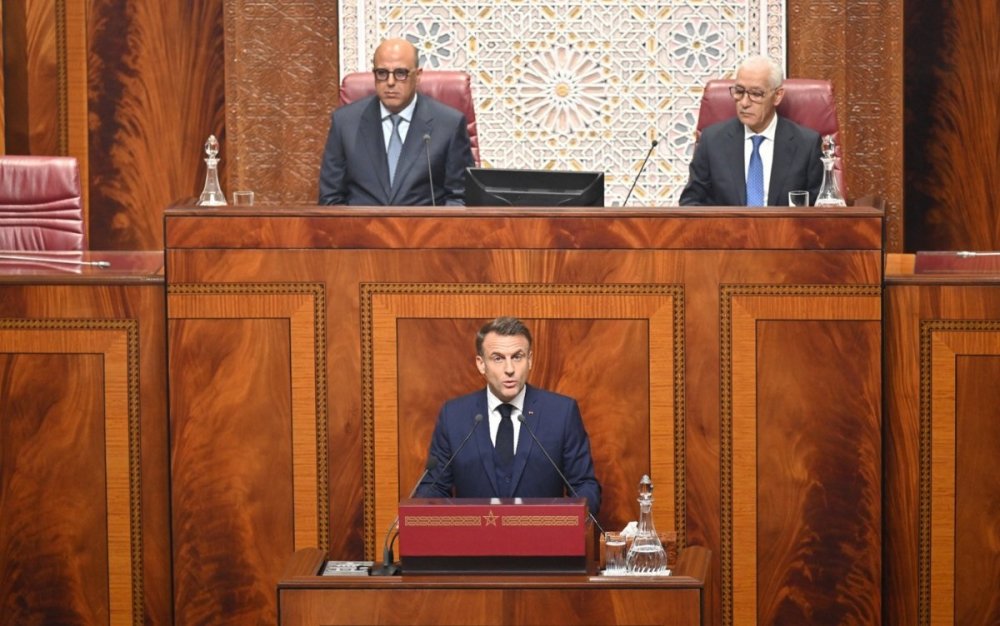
(490,187)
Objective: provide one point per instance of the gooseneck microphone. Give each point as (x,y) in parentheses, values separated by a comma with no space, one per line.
(430,174)
(388,568)
(477,419)
(642,167)
(524,423)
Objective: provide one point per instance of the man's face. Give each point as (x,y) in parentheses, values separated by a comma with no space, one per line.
(396,94)
(505,363)
(754,81)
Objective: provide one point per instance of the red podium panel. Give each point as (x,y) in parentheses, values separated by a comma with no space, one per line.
(451,535)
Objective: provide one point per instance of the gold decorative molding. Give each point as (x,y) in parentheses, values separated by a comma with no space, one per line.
(118,343)
(305,306)
(740,307)
(382,303)
(941,342)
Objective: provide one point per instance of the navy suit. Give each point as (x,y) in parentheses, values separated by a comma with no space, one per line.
(355,171)
(555,420)
(718,174)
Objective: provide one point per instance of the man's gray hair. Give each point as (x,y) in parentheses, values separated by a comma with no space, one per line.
(776,75)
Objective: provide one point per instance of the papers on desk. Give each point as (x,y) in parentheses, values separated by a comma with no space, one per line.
(346,568)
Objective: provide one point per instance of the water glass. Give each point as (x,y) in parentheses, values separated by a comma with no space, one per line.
(798,198)
(614,553)
(242,198)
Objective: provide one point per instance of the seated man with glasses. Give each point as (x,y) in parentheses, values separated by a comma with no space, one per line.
(382,149)
(757,157)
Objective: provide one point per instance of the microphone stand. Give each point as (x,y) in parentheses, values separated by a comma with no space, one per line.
(388,567)
(641,168)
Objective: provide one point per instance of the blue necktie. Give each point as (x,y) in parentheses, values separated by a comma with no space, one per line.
(395,147)
(505,436)
(755,174)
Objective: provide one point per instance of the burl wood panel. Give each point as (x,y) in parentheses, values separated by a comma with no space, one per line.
(627,317)
(941,355)
(156,92)
(84,531)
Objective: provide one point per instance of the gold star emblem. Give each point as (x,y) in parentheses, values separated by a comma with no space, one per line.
(491,519)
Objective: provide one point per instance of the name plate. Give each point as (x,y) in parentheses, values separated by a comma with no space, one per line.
(452,535)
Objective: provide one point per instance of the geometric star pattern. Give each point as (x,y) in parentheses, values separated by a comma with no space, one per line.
(579,84)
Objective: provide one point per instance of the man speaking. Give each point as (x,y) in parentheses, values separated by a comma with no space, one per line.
(504,429)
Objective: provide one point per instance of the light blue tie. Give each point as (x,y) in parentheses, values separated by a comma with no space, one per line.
(755,174)
(395,147)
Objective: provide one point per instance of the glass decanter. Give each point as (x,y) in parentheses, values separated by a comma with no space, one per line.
(646,556)
(212,194)
(829,191)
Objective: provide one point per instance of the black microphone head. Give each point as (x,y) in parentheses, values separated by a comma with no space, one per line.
(427,137)
(656,142)
(520,418)
(478,418)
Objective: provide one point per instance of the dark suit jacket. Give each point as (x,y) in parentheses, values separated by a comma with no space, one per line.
(354,169)
(718,174)
(555,420)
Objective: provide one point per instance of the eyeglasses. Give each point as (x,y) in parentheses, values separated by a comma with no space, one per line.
(400,73)
(756,95)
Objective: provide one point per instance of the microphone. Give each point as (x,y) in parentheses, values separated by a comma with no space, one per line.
(430,174)
(641,168)
(524,423)
(477,419)
(388,568)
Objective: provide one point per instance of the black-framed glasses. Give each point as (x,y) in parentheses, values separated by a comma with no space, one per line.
(400,73)
(755,95)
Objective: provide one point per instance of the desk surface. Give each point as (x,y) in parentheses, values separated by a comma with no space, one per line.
(89,266)
(305,598)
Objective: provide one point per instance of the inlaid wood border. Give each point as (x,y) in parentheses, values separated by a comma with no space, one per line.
(117,341)
(740,308)
(941,343)
(304,305)
(383,303)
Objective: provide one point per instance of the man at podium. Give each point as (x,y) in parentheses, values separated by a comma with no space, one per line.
(533,443)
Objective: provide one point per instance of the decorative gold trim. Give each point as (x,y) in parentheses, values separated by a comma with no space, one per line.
(130,327)
(318,293)
(540,520)
(371,290)
(726,295)
(928,328)
(62,72)
(442,520)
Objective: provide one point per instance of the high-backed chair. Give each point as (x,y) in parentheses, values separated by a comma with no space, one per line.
(449,87)
(40,205)
(807,102)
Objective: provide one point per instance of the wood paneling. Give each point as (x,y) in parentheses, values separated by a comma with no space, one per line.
(627,318)
(942,355)
(83,440)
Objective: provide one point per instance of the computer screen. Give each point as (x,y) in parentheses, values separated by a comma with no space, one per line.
(494,187)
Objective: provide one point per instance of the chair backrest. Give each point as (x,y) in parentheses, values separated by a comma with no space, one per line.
(807,102)
(449,87)
(40,205)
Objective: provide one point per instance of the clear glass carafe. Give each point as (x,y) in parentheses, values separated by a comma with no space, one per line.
(211,194)
(829,191)
(646,556)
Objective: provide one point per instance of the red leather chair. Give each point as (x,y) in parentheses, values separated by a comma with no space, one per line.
(451,88)
(807,102)
(40,205)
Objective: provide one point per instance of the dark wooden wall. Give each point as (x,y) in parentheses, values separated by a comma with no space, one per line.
(135,90)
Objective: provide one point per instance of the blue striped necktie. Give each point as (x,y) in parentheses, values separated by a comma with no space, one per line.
(755,174)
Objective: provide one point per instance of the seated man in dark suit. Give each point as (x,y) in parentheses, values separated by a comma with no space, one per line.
(757,157)
(488,466)
(378,148)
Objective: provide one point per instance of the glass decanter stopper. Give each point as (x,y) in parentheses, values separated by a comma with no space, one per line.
(646,556)
(212,194)
(829,191)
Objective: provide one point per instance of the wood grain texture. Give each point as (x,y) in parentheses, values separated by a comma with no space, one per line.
(156,94)
(952,125)
(940,364)
(859,46)
(83,365)
(597,286)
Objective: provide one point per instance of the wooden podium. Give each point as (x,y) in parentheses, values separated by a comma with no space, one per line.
(304,598)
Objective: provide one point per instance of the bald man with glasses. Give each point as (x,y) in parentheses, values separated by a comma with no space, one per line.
(383,149)
(757,157)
